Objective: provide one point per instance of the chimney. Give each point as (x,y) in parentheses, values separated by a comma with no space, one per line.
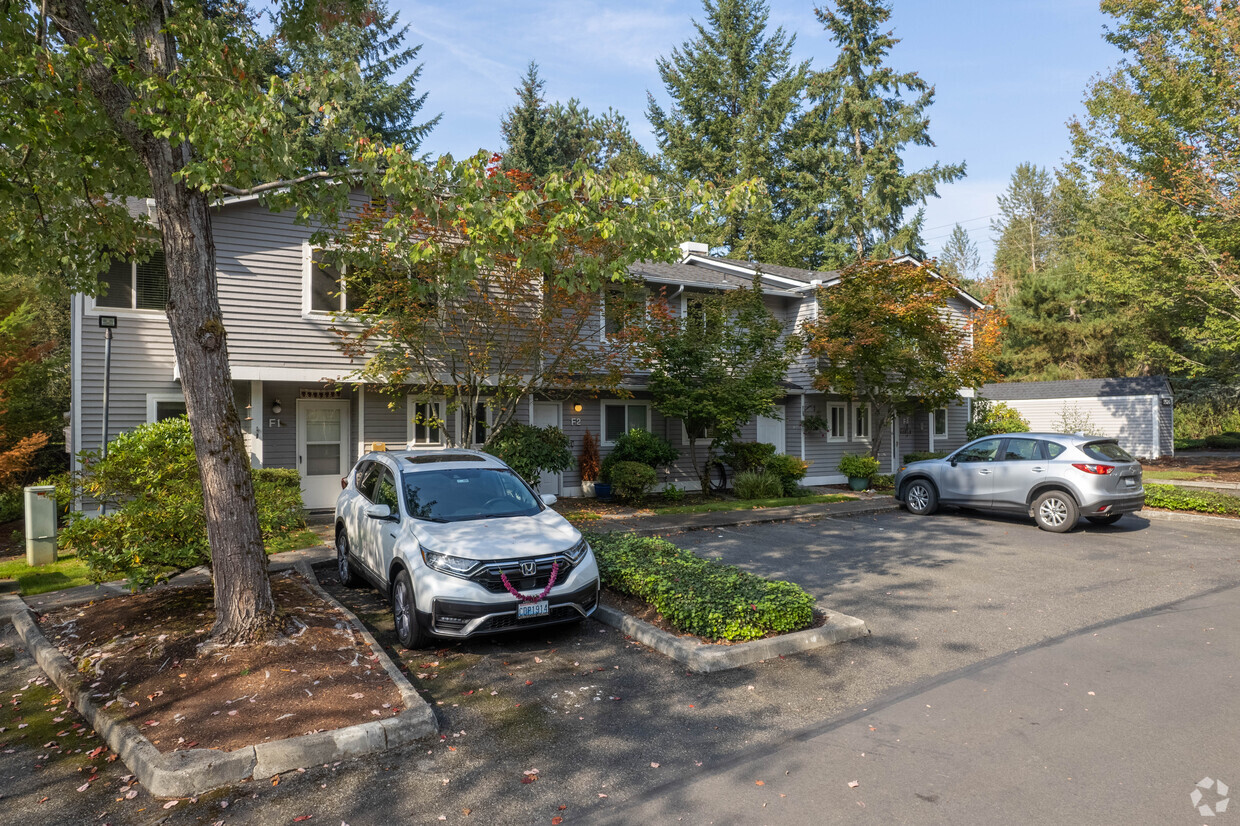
(688,248)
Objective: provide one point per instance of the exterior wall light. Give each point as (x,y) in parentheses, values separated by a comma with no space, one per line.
(577,407)
(275,407)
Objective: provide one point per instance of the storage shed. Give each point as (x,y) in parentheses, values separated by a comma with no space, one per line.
(1136,411)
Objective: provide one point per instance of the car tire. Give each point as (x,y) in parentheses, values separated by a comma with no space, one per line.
(1109,519)
(1056,511)
(404,612)
(920,497)
(344,566)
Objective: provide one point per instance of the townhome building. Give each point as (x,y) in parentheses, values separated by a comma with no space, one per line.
(303,407)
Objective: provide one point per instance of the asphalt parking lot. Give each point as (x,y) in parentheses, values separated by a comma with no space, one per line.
(606,722)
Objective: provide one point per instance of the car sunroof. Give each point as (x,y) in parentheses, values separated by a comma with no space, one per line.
(444,457)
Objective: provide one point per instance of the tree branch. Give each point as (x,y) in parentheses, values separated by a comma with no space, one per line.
(267,187)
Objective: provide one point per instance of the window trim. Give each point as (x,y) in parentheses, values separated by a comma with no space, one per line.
(843,437)
(307,285)
(684,433)
(603,405)
(93,309)
(858,409)
(415,399)
(934,429)
(153,400)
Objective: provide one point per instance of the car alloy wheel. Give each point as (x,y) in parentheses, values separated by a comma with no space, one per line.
(408,629)
(920,497)
(1055,512)
(344,570)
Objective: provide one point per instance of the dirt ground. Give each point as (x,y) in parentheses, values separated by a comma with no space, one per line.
(1205,467)
(141,654)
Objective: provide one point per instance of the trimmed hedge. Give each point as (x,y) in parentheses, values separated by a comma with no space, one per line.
(700,596)
(923,455)
(631,481)
(1185,499)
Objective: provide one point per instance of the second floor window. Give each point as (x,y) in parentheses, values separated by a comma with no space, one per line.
(128,285)
(623,306)
(328,293)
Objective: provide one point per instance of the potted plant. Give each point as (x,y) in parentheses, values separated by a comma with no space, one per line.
(859,468)
(589,464)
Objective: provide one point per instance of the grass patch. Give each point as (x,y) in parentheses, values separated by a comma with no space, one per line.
(700,596)
(1174,475)
(748,504)
(293,541)
(1200,501)
(583,516)
(66,572)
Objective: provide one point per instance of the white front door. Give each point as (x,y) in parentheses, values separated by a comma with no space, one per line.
(547,414)
(322,450)
(771,431)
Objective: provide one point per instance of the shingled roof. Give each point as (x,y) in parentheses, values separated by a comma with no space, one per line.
(1077,389)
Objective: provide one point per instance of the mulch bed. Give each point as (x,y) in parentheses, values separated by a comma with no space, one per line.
(646,612)
(13,538)
(140,655)
(1224,469)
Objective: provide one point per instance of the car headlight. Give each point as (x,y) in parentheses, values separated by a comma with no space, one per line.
(448,564)
(578,552)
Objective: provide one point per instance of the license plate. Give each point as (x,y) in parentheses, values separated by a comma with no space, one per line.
(533,609)
(1130,482)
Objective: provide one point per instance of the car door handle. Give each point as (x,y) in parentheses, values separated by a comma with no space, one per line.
(1038,469)
(984,472)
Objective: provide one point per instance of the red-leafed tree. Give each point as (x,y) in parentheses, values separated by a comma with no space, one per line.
(884,335)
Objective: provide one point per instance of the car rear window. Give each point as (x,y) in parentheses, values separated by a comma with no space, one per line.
(1106,451)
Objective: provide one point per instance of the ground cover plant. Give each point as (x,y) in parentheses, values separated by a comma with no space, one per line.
(1184,499)
(700,596)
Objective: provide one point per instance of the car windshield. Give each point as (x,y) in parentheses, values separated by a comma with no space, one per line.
(1106,451)
(458,494)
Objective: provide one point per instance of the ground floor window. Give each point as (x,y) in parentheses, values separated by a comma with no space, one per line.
(621,417)
(426,423)
(837,417)
(160,406)
(861,422)
(940,422)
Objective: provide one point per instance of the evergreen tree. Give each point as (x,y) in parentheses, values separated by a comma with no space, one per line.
(735,92)
(851,181)
(960,258)
(541,138)
(1025,228)
(355,61)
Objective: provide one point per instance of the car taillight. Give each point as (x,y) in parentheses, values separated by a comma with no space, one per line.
(344,482)
(1100,470)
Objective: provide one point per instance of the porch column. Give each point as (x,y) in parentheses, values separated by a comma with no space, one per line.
(361,420)
(257,409)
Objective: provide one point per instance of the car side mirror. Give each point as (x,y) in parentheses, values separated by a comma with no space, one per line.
(378,512)
(954,461)
(549,499)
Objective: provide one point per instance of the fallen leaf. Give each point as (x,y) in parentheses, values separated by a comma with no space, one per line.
(275,781)
(852,784)
(529,778)
(171,803)
(759,783)
(131,794)
(300,818)
(527,682)
(557,820)
(654,765)
(562,808)
(357,695)
(83,787)
(466,811)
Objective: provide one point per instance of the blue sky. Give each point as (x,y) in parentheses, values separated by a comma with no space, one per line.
(1009,74)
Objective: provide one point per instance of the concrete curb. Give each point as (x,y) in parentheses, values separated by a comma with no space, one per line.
(197,771)
(705,658)
(1184,516)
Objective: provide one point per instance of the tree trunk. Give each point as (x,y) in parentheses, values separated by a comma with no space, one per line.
(244,609)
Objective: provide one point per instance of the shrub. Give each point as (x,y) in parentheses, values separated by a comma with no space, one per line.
(1199,419)
(886,481)
(989,418)
(589,461)
(1223,441)
(858,466)
(790,470)
(530,450)
(1072,419)
(631,481)
(923,455)
(156,525)
(674,494)
(742,456)
(757,484)
(640,446)
(1183,499)
(700,596)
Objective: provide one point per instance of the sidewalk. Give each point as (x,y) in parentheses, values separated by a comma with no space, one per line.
(676,523)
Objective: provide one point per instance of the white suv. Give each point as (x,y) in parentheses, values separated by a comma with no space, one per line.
(461,544)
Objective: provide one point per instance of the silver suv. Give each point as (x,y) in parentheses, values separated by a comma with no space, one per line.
(1054,477)
(461,544)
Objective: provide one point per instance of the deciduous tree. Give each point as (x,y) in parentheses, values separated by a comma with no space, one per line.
(882,335)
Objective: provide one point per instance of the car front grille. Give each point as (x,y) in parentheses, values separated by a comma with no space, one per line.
(488,576)
(558,613)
